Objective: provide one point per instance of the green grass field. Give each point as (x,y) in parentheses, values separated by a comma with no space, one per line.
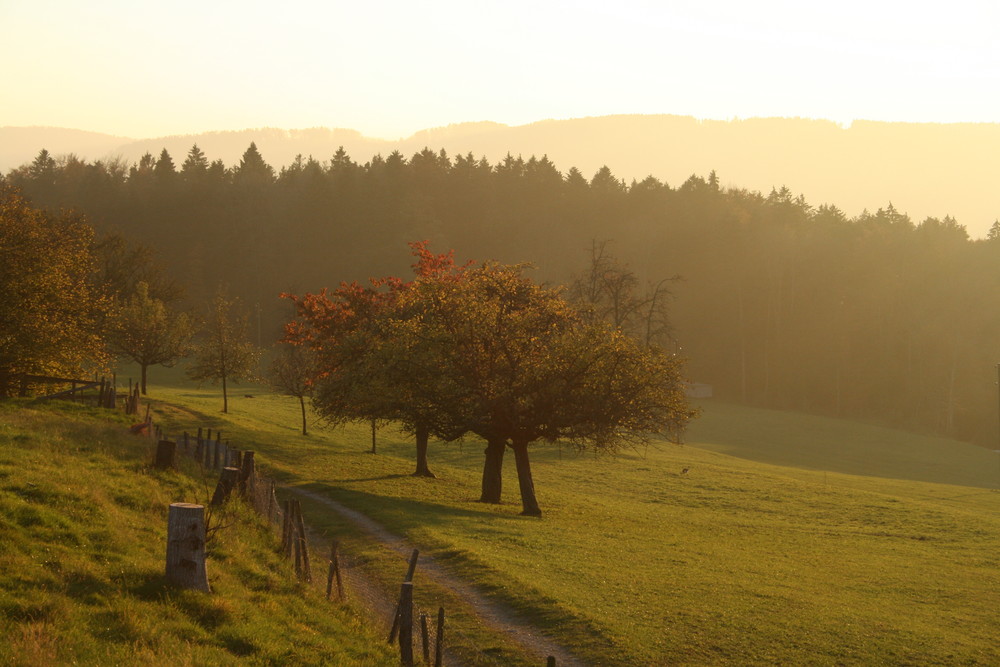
(82,552)
(791,540)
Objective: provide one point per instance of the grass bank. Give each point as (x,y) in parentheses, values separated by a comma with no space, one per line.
(83,529)
(827,560)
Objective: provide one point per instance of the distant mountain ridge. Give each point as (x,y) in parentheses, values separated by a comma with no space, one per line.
(923,169)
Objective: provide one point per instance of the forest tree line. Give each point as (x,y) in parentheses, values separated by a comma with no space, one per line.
(779,303)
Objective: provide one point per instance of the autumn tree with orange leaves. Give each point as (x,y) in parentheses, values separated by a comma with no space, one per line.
(358,376)
(486,351)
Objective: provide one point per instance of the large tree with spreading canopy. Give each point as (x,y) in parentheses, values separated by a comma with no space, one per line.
(484,350)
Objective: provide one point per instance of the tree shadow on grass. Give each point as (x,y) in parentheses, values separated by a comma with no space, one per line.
(374,479)
(401,514)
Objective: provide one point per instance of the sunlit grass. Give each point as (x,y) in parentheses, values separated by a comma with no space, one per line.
(636,562)
(82,528)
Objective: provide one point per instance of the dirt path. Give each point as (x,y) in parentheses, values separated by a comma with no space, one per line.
(490,613)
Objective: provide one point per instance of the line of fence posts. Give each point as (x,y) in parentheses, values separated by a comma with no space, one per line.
(238,474)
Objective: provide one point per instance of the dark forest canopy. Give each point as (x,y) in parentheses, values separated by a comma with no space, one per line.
(781,303)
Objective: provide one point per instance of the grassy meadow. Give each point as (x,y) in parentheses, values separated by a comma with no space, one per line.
(82,545)
(791,539)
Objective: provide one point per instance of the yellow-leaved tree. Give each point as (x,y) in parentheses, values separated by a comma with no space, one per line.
(50,309)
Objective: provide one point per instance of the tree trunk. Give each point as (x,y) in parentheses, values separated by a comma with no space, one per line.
(423,434)
(225,396)
(493,471)
(302,403)
(529,505)
(144,367)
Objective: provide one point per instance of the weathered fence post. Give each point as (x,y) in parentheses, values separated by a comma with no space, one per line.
(166,455)
(411,568)
(286,527)
(302,541)
(227,482)
(406,623)
(425,638)
(334,574)
(439,642)
(186,547)
(247,474)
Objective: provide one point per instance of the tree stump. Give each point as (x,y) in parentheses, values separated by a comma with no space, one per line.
(186,547)
(166,455)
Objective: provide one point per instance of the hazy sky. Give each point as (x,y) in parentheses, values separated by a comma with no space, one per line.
(148,69)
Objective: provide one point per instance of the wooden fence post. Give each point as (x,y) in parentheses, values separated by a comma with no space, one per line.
(166,455)
(425,638)
(247,474)
(439,642)
(334,574)
(406,623)
(302,541)
(286,527)
(227,482)
(186,546)
(411,568)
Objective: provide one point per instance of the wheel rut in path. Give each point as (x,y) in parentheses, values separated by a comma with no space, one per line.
(492,614)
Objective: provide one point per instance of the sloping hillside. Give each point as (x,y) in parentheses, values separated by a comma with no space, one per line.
(83,529)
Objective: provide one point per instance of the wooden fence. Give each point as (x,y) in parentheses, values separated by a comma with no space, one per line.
(240,476)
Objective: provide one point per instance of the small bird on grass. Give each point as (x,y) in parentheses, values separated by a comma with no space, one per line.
(685,471)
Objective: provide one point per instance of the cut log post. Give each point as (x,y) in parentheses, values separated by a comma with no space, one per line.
(166,455)
(406,623)
(227,482)
(186,547)
(439,641)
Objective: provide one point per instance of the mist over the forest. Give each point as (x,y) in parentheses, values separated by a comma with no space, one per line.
(923,169)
